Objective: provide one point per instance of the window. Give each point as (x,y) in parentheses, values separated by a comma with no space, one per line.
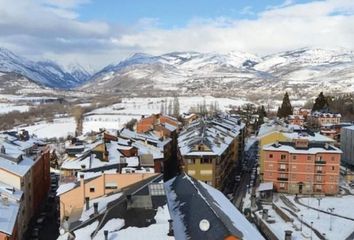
(270,155)
(112,185)
(92,189)
(282,185)
(319,168)
(282,166)
(206,160)
(190,161)
(319,178)
(294,166)
(156,189)
(283,157)
(309,158)
(332,158)
(294,157)
(333,168)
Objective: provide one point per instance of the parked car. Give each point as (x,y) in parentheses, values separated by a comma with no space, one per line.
(237,178)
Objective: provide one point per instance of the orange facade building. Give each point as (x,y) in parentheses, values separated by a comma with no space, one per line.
(301,167)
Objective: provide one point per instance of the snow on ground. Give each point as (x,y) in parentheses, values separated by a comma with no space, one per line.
(117,115)
(107,121)
(147,106)
(61,127)
(341,228)
(9,107)
(280,226)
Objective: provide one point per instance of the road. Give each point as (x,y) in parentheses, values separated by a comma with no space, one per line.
(241,188)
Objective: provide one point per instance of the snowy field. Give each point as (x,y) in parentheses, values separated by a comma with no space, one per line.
(117,115)
(61,127)
(147,106)
(9,107)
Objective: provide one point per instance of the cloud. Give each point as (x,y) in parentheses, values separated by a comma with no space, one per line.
(247,11)
(52,29)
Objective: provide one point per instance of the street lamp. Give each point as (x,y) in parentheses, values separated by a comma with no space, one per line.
(302,215)
(311,229)
(330,210)
(319,204)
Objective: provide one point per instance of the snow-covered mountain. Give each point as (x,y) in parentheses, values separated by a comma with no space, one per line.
(46,73)
(302,72)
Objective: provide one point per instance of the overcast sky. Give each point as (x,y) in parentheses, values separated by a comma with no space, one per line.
(98,32)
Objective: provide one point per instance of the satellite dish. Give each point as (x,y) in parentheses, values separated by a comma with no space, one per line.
(204,225)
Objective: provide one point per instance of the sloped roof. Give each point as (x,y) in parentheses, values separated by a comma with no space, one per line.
(191,201)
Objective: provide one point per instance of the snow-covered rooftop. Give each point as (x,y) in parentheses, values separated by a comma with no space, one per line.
(292,149)
(216,134)
(9,207)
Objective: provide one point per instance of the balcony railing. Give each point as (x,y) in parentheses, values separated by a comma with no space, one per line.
(283,169)
(320,162)
(282,179)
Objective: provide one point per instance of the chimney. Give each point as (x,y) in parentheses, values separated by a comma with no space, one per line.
(95,208)
(170,228)
(288,234)
(265,214)
(129,198)
(87,201)
(105,232)
(82,186)
(326,146)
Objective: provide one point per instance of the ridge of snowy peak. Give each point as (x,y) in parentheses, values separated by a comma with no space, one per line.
(306,57)
(79,72)
(45,72)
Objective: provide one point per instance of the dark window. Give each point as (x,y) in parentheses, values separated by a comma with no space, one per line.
(294,157)
(333,168)
(283,156)
(92,189)
(206,160)
(270,155)
(308,157)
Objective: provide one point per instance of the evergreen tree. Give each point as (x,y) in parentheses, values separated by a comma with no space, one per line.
(286,109)
(321,103)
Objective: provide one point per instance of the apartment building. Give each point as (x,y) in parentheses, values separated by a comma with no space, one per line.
(210,148)
(24,166)
(302,167)
(325,118)
(296,120)
(347,145)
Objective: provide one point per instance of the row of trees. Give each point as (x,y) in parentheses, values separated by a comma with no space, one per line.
(171,107)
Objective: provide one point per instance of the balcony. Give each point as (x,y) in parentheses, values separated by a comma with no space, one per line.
(320,162)
(282,178)
(320,171)
(282,169)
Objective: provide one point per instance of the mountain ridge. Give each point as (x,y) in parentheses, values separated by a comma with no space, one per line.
(303,72)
